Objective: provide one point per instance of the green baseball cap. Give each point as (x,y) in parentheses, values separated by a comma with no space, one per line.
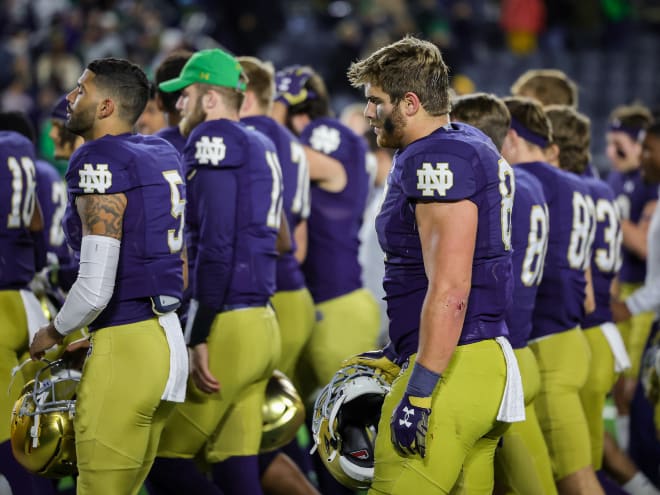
(212,66)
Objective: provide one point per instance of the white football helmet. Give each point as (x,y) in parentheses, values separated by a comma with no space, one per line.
(42,436)
(345,423)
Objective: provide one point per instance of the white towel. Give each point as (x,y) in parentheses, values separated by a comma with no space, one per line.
(613,337)
(512,407)
(175,388)
(35,315)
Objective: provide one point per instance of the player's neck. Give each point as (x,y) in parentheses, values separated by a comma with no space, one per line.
(423,125)
(113,128)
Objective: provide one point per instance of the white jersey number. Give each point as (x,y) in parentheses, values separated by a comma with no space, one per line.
(578,249)
(300,204)
(174,237)
(275,211)
(507,191)
(537,246)
(607,259)
(23,196)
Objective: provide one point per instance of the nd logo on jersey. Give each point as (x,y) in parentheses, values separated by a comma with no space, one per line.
(431,180)
(97,179)
(210,150)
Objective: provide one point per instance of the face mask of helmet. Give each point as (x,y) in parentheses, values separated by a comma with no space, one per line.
(42,437)
(283,413)
(346,415)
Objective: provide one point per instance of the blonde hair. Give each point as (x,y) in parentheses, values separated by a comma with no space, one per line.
(407,65)
(261,80)
(484,111)
(549,86)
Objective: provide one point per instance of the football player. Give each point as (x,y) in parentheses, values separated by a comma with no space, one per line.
(644,446)
(636,201)
(448,278)
(570,152)
(168,69)
(522,462)
(23,253)
(292,302)
(347,314)
(124,190)
(557,341)
(234,211)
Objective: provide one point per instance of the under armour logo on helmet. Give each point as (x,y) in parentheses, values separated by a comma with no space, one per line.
(404,421)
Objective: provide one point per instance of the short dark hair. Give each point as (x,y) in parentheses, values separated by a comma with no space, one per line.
(126,82)
(484,111)
(17,122)
(170,68)
(530,114)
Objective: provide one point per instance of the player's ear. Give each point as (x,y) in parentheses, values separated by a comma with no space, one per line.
(410,104)
(551,153)
(106,108)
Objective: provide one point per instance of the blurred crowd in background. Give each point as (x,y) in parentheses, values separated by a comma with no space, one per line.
(611,48)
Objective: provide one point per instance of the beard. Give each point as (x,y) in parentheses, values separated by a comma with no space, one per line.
(193,119)
(81,120)
(391,132)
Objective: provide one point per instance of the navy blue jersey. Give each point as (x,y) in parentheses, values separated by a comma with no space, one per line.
(148,171)
(51,191)
(450,164)
(331,267)
(632,194)
(234,212)
(295,181)
(17,204)
(606,249)
(530,225)
(560,299)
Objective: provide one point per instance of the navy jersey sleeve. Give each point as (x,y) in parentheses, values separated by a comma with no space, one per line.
(437,177)
(216,143)
(214,195)
(96,168)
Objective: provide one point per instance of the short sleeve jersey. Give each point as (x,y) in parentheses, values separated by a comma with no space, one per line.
(606,249)
(147,170)
(453,163)
(295,181)
(51,191)
(631,194)
(530,224)
(560,299)
(331,267)
(234,208)
(17,204)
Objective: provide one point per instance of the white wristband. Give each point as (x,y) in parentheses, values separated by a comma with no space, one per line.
(92,290)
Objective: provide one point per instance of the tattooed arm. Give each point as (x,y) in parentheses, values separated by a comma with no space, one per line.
(102,214)
(102,219)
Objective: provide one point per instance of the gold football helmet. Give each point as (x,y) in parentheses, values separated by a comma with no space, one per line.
(345,423)
(42,436)
(283,413)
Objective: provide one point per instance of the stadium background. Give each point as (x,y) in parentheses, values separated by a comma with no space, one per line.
(611,48)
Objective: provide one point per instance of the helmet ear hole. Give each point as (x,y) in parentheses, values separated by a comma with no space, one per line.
(358,425)
(346,416)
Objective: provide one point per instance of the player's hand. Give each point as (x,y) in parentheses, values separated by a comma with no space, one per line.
(199,369)
(45,338)
(409,425)
(379,361)
(620,311)
(290,85)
